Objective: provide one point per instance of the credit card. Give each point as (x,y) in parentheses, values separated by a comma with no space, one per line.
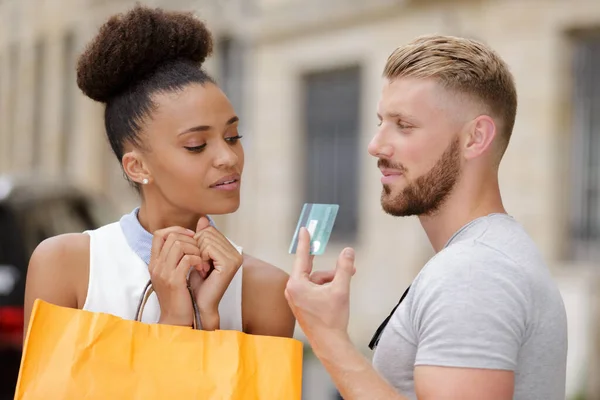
(319,220)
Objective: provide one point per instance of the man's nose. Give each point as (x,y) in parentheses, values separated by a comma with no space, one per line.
(378,147)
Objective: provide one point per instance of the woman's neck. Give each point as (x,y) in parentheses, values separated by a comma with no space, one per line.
(155,218)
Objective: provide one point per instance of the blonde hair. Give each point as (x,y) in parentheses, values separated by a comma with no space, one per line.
(464,66)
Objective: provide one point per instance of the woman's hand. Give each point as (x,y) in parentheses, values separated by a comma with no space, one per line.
(174,252)
(224,260)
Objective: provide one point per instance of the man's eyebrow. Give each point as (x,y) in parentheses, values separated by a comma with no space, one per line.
(396,115)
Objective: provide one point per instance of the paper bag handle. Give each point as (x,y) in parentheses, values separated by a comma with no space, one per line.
(148,290)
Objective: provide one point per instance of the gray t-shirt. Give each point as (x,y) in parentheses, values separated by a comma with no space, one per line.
(487,300)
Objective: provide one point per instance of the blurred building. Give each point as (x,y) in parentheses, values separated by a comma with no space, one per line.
(305,78)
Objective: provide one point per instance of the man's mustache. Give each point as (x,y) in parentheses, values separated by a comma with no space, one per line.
(387,164)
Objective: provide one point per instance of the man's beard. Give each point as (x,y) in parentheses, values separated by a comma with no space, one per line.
(428,192)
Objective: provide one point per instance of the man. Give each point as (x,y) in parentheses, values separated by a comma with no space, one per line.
(483,319)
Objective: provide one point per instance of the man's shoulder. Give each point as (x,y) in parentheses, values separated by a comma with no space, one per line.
(475,272)
(498,246)
(469,258)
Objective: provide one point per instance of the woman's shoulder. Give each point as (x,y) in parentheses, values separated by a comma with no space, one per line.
(62,248)
(69,246)
(58,271)
(68,255)
(64,257)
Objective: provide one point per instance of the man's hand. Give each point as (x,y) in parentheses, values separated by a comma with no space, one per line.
(320,300)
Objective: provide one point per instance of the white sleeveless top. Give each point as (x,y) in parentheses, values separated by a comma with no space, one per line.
(118,277)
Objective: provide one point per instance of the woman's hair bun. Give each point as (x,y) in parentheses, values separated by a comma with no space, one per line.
(131,46)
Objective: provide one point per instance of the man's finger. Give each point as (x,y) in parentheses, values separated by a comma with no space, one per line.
(344,269)
(303,261)
(322,277)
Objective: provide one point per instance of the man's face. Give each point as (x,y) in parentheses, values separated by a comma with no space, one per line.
(417,146)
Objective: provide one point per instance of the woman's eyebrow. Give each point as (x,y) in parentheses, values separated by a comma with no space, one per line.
(203,128)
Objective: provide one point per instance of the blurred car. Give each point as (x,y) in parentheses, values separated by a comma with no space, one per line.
(32,210)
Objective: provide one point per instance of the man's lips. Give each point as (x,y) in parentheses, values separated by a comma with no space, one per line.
(390,175)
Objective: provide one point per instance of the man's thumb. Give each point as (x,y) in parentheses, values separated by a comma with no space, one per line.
(345,266)
(203,223)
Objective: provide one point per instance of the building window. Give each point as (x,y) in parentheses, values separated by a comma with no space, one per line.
(38,102)
(69,87)
(231,70)
(331,134)
(585,214)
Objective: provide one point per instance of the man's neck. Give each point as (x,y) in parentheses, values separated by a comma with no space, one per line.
(466,203)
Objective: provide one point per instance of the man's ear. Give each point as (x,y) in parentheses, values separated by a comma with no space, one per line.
(135,168)
(480,137)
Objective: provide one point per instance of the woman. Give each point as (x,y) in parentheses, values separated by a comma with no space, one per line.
(176,136)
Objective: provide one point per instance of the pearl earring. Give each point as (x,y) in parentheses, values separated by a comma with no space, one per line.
(145,181)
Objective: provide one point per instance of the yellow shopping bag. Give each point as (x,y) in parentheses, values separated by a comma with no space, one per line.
(75,354)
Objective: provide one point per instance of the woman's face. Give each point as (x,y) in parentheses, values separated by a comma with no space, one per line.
(192,152)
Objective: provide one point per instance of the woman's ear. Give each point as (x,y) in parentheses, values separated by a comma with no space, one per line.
(135,168)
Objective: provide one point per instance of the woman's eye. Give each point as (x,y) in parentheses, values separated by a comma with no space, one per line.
(195,149)
(234,139)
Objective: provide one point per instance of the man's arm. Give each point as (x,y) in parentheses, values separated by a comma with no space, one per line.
(356,379)
(463,383)
(351,372)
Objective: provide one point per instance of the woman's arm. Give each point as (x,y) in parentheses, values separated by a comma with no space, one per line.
(265,310)
(58,273)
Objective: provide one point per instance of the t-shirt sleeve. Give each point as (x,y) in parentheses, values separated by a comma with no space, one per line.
(470,310)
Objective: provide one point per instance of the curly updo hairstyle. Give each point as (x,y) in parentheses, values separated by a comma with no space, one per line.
(138,54)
